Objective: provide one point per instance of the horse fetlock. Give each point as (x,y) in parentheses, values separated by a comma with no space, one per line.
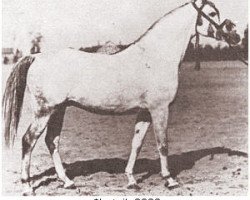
(131,179)
(27,190)
(69,184)
(132,183)
(165,174)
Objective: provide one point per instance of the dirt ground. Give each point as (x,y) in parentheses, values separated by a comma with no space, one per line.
(207,143)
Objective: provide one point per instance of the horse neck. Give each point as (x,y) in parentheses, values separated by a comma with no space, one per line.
(168,39)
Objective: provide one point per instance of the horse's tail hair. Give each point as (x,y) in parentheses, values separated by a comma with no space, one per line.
(13,98)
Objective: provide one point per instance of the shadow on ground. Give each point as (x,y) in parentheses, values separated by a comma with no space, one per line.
(177,163)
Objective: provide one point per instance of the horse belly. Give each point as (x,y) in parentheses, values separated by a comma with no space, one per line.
(104,100)
(106,92)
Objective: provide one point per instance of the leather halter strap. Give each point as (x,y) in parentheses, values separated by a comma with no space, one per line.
(200,12)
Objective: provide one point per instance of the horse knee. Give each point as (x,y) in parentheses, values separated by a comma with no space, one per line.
(163,150)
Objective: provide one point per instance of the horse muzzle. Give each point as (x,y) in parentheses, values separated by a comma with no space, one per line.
(231,37)
(227,33)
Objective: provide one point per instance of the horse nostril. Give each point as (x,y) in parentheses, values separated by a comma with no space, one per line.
(237,38)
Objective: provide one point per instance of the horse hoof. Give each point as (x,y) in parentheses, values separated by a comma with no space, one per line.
(134,186)
(171,184)
(69,185)
(29,192)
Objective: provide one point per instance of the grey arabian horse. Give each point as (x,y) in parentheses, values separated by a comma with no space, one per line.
(144,76)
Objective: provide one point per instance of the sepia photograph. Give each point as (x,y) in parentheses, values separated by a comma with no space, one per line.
(124,98)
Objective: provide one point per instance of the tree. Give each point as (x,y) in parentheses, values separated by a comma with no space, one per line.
(197,52)
(208,53)
(245,43)
(189,55)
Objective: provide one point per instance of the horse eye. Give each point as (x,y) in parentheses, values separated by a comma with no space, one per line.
(212,14)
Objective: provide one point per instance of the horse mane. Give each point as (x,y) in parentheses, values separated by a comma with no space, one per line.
(152,26)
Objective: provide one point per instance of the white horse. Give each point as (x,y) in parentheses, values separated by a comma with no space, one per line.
(144,76)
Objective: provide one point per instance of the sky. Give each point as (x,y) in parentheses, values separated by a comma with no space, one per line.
(75,23)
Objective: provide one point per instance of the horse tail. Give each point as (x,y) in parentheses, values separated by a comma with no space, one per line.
(13,98)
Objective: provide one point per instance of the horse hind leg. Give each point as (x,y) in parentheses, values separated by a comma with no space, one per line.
(142,123)
(29,140)
(52,141)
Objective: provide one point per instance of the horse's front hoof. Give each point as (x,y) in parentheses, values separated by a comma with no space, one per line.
(171,184)
(29,192)
(134,186)
(69,185)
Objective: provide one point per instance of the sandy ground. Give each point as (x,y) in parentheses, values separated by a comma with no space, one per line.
(207,143)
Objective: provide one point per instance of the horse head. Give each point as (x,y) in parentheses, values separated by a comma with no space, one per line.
(208,23)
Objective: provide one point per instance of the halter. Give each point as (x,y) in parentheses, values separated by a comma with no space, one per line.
(228,23)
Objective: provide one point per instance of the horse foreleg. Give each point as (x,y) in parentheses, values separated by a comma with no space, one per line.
(28,143)
(52,141)
(160,122)
(142,123)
